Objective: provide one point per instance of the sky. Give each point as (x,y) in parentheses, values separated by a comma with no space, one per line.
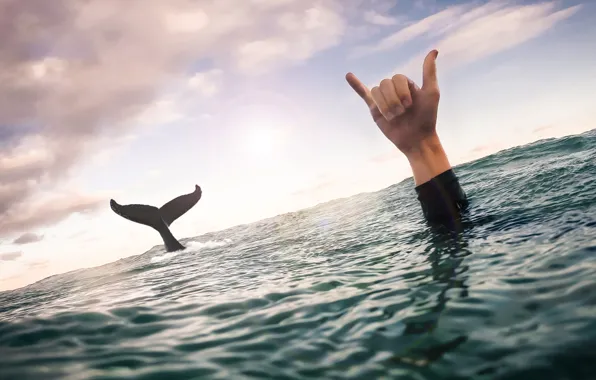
(141,100)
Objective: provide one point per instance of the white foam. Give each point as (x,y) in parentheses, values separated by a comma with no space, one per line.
(158,259)
(208,244)
(193,246)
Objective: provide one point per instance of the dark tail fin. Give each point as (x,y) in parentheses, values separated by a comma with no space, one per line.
(179,206)
(160,219)
(143,214)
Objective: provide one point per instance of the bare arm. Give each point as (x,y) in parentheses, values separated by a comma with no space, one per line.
(428,160)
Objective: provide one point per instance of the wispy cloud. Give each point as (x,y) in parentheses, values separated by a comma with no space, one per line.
(206,83)
(47,212)
(499,30)
(377,18)
(542,128)
(465,33)
(299,35)
(318,187)
(28,238)
(425,26)
(10,256)
(385,157)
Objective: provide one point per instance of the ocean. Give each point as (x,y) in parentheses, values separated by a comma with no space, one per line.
(356,288)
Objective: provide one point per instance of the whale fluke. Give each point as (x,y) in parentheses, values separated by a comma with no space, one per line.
(160,218)
(179,206)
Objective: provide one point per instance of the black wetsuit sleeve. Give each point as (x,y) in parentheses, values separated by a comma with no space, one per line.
(442,198)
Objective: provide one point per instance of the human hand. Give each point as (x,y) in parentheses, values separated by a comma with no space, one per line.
(407,116)
(405,113)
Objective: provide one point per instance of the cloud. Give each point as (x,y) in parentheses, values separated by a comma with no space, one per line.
(75,74)
(298,36)
(377,18)
(316,188)
(489,29)
(542,128)
(465,33)
(10,256)
(481,149)
(385,157)
(16,272)
(206,83)
(47,212)
(417,29)
(28,238)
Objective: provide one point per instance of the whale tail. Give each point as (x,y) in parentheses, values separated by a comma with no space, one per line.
(160,218)
(178,206)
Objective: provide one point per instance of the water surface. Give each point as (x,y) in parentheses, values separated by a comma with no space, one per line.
(357,288)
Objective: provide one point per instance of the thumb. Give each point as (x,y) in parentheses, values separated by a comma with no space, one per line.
(429,71)
(360,89)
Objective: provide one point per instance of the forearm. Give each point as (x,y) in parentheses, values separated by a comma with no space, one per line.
(439,192)
(427,160)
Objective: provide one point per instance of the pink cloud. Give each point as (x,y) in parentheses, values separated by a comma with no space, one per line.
(77,73)
(10,256)
(28,238)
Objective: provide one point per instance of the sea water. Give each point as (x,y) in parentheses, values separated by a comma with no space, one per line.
(358,288)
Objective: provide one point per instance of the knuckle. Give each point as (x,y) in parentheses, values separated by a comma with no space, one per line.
(376,94)
(434,92)
(375,113)
(381,112)
(399,78)
(386,82)
(392,102)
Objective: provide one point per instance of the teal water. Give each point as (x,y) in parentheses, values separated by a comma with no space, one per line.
(357,288)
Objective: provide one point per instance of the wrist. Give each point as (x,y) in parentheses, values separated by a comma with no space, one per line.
(427,159)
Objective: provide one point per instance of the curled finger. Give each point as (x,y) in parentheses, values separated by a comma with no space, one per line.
(402,88)
(394,105)
(379,100)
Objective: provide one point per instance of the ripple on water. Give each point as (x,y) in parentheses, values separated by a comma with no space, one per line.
(356,288)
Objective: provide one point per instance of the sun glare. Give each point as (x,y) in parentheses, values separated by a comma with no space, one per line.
(261,141)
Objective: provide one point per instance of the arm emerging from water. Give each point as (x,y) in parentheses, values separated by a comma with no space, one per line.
(407,116)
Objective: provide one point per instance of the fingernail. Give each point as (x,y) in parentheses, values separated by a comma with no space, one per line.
(406,102)
(399,110)
(390,115)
